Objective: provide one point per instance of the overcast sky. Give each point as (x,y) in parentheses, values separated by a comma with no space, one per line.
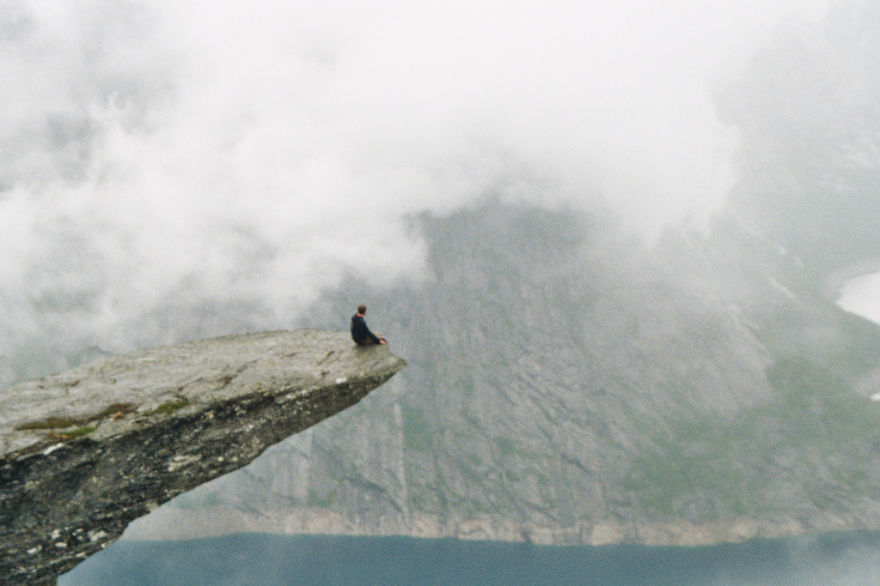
(164,154)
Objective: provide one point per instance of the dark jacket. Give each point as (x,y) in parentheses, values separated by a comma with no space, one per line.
(360,333)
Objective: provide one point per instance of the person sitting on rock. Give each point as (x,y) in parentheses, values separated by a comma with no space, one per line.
(360,333)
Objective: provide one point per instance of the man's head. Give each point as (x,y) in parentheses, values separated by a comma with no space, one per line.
(362,309)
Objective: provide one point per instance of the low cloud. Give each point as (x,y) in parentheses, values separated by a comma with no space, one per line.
(175,169)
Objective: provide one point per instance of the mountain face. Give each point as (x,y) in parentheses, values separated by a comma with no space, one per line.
(567,385)
(567,389)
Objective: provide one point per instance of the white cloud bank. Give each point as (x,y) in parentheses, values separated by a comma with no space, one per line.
(164,160)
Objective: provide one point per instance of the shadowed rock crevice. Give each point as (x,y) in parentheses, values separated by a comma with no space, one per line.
(87,451)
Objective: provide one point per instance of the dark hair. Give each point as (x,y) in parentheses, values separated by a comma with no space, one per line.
(362,309)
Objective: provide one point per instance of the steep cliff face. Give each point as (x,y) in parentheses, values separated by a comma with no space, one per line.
(567,389)
(87,451)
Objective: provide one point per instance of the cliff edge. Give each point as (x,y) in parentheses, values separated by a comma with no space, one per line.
(84,452)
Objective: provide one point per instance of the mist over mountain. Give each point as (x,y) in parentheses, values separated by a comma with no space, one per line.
(808,115)
(173,172)
(607,258)
(570,384)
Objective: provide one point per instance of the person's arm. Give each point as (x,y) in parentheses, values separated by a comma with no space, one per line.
(376,339)
(361,330)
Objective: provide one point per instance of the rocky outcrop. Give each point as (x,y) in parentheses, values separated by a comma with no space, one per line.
(87,451)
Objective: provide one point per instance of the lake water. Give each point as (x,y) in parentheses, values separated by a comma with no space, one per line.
(851,559)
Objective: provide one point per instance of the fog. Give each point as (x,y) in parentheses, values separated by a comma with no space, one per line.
(173,170)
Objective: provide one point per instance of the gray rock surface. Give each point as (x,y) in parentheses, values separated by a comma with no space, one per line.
(84,452)
(567,391)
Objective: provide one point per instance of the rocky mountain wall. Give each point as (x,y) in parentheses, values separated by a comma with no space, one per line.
(573,389)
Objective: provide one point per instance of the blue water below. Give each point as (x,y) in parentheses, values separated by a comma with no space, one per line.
(308,559)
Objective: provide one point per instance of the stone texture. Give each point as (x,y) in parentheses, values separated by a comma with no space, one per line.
(591,394)
(115,439)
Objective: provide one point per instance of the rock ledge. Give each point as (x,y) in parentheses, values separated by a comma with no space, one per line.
(84,452)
